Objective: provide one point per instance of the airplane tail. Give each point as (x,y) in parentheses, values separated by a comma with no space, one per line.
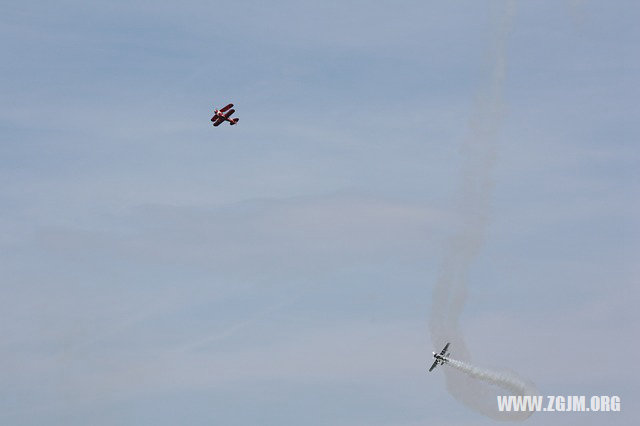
(234,121)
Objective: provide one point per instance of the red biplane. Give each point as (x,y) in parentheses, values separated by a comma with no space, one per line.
(222,115)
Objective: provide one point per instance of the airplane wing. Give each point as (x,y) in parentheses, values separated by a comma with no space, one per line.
(433,365)
(218,121)
(444,351)
(231,111)
(226,108)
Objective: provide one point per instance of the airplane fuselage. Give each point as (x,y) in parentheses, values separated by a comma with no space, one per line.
(440,358)
(219,114)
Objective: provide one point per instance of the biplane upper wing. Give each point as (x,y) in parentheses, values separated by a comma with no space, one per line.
(226,108)
(218,121)
(228,114)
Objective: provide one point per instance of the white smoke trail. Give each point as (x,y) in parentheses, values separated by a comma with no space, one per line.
(478,387)
(471,385)
(502,379)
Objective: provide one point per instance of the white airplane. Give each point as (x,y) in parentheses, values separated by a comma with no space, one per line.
(441,358)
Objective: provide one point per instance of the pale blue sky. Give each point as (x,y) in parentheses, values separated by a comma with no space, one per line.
(158,271)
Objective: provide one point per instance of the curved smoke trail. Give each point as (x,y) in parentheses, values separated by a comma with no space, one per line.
(471,385)
(468,384)
(504,379)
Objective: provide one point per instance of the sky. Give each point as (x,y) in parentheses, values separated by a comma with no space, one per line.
(158,271)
